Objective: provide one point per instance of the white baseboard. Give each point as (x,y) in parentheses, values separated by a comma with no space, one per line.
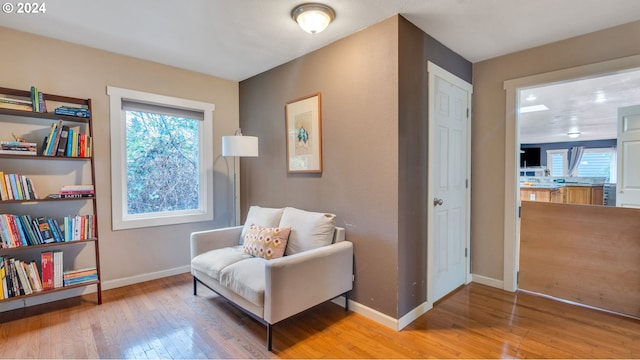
(383,319)
(412,315)
(112,284)
(487,281)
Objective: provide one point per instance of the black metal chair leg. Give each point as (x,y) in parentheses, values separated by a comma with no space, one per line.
(195,282)
(269,333)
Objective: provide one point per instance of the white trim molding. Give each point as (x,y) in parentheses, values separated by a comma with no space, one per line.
(512,147)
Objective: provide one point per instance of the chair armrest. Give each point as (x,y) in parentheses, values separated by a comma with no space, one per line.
(203,241)
(297,282)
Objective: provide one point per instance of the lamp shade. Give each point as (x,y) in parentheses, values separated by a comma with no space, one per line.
(241,146)
(313,18)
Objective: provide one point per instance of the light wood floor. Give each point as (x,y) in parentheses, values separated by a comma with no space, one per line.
(162,319)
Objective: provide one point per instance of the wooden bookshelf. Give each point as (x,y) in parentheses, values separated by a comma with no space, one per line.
(11,119)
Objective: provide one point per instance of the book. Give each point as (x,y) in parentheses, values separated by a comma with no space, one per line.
(9,189)
(3,187)
(34,276)
(76,196)
(46,261)
(14,100)
(47,140)
(45,231)
(26,223)
(25,285)
(11,106)
(72,111)
(18,148)
(34,99)
(64,139)
(53,149)
(15,282)
(58,269)
(32,189)
(17,143)
(3,280)
(42,104)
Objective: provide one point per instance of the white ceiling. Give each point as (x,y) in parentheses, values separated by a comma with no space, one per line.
(237,39)
(588,106)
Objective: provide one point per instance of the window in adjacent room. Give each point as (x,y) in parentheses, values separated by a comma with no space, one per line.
(598,162)
(161,156)
(557,162)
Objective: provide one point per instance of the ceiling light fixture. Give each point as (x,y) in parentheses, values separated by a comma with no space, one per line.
(573,134)
(528,109)
(313,17)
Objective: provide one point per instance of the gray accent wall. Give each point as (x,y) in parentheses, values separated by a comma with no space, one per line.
(415,49)
(374,110)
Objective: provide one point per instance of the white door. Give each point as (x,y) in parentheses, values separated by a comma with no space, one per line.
(449,170)
(628,184)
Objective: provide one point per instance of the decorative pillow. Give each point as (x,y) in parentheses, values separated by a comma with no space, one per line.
(268,217)
(309,230)
(266,242)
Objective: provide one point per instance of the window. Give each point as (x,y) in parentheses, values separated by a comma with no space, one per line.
(557,162)
(161,156)
(598,163)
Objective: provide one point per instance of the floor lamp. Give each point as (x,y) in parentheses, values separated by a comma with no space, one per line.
(238,146)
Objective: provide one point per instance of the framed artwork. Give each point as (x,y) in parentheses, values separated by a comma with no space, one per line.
(304,135)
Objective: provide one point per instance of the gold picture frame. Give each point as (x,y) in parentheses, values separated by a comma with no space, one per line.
(304,134)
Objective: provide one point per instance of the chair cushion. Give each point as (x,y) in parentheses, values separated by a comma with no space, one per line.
(246,278)
(309,230)
(212,262)
(266,242)
(267,217)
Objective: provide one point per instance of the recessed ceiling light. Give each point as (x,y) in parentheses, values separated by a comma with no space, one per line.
(573,134)
(528,109)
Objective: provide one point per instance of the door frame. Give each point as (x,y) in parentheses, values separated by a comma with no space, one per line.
(434,70)
(511,235)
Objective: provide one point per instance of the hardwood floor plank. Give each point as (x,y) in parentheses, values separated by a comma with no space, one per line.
(162,319)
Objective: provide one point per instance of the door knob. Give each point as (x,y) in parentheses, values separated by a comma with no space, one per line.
(437,202)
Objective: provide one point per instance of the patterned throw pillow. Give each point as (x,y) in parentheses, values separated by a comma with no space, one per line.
(266,242)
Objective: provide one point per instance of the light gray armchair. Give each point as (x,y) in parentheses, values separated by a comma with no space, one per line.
(317,265)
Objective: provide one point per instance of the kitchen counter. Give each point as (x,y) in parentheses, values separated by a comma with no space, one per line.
(568,192)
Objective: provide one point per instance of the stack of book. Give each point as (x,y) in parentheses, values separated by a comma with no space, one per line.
(16,187)
(52,269)
(18,148)
(23,230)
(77,191)
(19,277)
(67,141)
(37,100)
(74,277)
(79,227)
(14,103)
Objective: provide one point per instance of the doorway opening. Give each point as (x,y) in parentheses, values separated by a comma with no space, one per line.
(513,140)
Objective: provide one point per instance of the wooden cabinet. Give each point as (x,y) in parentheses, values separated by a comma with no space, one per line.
(587,195)
(48,175)
(535,194)
(578,195)
(597,195)
(558,195)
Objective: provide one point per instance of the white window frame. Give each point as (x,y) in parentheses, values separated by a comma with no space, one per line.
(120,218)
(565,156)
